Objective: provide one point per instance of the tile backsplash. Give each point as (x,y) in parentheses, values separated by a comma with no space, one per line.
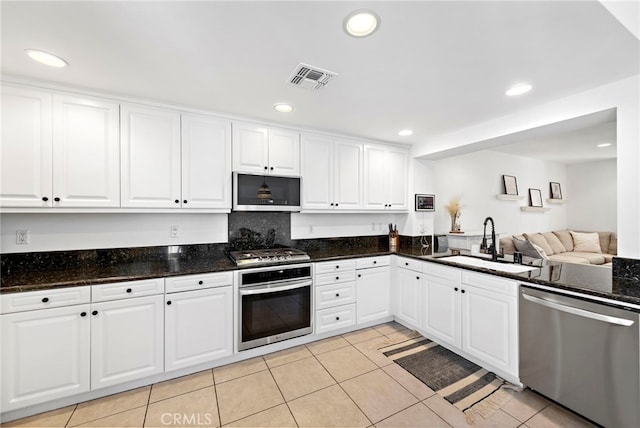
(253,230)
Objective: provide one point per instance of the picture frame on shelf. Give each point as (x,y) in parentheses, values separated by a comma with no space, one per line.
(535,198)
(554,190)
(510,185)
(425,202)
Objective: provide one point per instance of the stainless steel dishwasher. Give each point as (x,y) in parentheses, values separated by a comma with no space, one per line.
(581,354)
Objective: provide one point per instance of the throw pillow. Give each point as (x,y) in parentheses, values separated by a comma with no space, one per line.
(565,237)
(538,239)
(554,243)
(586,242)
(528,249)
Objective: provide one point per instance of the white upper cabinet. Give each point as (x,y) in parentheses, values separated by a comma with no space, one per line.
(258,149)
(86,152)
(150,157)
(331,173)
(385,178)
(206,162)
(26,148)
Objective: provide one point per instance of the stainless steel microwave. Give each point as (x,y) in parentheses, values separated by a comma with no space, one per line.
(265,193)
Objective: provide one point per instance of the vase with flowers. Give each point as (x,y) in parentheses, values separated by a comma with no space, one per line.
(454,212)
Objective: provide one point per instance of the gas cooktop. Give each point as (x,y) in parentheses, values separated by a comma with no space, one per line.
(271,255)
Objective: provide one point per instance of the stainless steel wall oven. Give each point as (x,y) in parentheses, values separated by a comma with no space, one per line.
(274,304)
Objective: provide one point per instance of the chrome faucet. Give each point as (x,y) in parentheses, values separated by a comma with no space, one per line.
(492,248)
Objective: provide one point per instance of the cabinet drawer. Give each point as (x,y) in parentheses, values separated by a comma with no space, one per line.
(328,296)
(444,272)
(335,318)
(370,262)
(125,290)
(410,264)
(197,282)
(337,266)
(490,283)
(30,300)
(334,278)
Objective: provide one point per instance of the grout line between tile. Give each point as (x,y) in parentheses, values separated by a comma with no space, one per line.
(75,406)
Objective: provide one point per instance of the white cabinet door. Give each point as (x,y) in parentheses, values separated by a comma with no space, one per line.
(86,152)
(317,172)
(348,175)
(150,157)
(408,302)
(490,327)
(376,174)
(373,294)
(127,340)
(397,182)
(250,148)
(206,162)
(25,148)
(284,152)
(442,310)
(198,326)
(45,355)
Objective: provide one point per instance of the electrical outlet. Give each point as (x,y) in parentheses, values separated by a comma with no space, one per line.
(173,232)
(310,229)
(22,236)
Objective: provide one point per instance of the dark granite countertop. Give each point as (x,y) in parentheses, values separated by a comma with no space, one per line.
(93,269)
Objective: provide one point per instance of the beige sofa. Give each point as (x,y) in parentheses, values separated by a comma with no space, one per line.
(596,248)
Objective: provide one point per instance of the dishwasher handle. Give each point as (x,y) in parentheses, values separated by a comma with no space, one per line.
(578,312)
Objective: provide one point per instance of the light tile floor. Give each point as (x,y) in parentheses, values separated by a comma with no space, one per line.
(343,381)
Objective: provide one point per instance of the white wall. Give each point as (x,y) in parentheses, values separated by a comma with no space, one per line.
(592,204)
(624,96)
(53,232)
(476,178)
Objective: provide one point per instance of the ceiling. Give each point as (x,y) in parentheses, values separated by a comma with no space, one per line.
(433,67)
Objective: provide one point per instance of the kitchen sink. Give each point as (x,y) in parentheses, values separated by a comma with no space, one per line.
(488,264)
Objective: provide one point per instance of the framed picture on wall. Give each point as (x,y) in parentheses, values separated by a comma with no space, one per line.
(425,202)
(510,185)
(535,198)
(555,191)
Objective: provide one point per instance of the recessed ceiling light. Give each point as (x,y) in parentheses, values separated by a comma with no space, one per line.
(604,145)
(46,58)
(361,23)
(519,89)
(405,132)
(283,108)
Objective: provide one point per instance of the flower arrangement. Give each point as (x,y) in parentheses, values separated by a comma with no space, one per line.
(454,212)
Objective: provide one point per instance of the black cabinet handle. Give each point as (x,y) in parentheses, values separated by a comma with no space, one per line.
(265,168)
(406,263)
(375,261)
(45,199)
(463,291)
(337,318)
(337,278)
(200,282)
(417,277)
(45,299)
(336,204)
(56,199)
(455,288)
(128,290)
(337,266)
(169,302)
(184,201)
(359,275)
(94,313)
(271,168)
(337,294)
(177,201)
(331,203)
(83,314)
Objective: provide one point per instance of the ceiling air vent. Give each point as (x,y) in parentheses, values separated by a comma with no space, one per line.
(310,77)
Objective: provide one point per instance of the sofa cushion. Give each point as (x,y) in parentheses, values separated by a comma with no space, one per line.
(613,245)
(594,258)
(506,245)
(527,248)
(586,242)
(568,258)
(565,237)
(605,239)
(608,258)
(554,243)
(538,239)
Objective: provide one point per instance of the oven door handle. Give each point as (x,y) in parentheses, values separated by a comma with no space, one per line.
(271,289)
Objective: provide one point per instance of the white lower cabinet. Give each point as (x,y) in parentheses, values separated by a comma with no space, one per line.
(198,326)
(335,318)
(127,340)
(408,297)
(474,312)
(334,295)
(373,289)
(45,355)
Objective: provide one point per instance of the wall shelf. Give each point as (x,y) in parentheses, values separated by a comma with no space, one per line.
(504,197)
(556,201)
(535,209)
